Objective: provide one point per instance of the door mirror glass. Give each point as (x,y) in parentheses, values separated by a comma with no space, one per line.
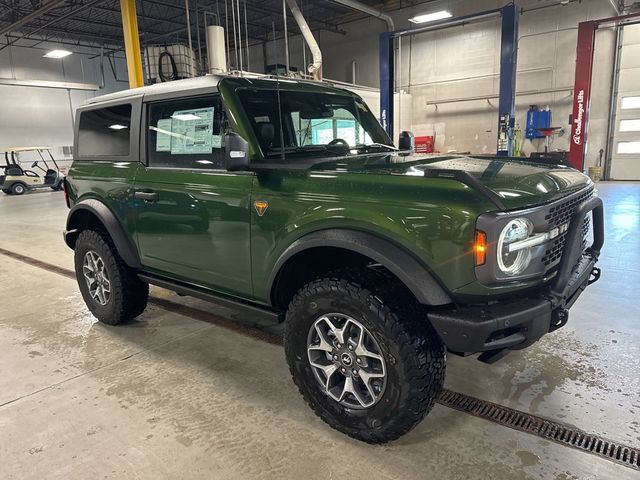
(236,152)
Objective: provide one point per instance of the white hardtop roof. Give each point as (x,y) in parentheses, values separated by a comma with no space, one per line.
(206,81)
(159,88)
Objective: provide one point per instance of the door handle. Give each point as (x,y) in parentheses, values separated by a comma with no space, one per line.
(147,196)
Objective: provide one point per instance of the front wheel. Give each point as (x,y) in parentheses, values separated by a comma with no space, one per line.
(369,369)
(111,290)
(18,189)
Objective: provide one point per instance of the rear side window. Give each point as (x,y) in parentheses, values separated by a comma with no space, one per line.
(186,133)
(105,132)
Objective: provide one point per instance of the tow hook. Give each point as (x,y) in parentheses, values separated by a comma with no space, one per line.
(594,276)
(559,318)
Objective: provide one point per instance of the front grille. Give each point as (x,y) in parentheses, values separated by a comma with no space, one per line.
(558,215)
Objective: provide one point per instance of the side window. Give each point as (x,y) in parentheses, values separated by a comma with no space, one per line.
(105,132)
(186,133)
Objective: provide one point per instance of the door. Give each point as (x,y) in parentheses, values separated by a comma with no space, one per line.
(192,216)
(625,154)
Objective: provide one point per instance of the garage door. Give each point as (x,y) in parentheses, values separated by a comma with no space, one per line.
(625,158)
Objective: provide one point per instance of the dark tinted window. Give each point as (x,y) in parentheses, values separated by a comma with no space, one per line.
(105,132)
(187,133)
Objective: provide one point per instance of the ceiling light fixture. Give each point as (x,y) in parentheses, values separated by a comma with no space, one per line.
(57,54)
(430,17)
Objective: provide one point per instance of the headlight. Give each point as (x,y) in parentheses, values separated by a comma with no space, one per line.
(516,262)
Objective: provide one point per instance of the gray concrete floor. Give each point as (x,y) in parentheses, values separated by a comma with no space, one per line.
(169,396)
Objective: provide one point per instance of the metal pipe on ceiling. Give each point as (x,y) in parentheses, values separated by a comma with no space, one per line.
(316,67)
(235,33)
(355,5)
(188,18)
(200,64)
(246,33)
(240,37)
(286,36)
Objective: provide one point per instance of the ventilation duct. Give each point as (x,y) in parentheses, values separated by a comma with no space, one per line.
(315,68)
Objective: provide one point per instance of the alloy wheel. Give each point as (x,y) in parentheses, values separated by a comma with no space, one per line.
(97,278)
(346,360)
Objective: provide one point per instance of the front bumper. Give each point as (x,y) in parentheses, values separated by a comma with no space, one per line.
(517,324)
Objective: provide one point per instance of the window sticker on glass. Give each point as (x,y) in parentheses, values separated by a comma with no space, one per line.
(191,131)
(163,138)
(216,141)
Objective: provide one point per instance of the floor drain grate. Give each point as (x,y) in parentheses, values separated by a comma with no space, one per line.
(541,427)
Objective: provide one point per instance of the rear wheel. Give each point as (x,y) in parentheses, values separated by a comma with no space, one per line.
(18,188)
(111,290)
(364,358)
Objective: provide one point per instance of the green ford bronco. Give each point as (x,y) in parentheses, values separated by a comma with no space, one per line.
(287,199)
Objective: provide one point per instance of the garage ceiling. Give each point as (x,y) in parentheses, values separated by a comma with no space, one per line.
(97,22)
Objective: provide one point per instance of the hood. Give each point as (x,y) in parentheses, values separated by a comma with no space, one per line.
(519,182)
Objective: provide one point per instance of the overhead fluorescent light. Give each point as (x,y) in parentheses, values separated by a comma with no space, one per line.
(185,117)
(57,54)
(430,17)
(117,126)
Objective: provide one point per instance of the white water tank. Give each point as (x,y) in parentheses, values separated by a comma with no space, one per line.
(216,51)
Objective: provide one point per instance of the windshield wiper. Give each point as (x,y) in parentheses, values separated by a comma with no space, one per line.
(363,146)
(310,149)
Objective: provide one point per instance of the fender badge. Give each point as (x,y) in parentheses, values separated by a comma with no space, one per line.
(261,206)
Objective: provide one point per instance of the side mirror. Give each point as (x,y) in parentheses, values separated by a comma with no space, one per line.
(236,152)
(407,143)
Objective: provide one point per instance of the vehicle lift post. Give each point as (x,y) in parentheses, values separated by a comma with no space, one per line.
(582,84)
(508,65)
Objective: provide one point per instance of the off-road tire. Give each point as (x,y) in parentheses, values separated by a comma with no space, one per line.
(413,351)
(18,188)
(128,296)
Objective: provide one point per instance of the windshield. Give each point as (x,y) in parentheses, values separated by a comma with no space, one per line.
(311,122)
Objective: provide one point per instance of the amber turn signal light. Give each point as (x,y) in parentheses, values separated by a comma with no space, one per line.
(480,248)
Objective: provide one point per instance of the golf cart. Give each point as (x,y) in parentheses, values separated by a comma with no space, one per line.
(11,168)
(17,180)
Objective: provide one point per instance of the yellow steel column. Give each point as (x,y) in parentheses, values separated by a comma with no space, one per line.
(132,42)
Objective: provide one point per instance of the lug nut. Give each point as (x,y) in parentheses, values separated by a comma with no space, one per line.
(343,370)
(355,372)
(359,360)
(350,347)
(335,357)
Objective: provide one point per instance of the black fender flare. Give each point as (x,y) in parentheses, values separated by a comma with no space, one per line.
(123,244)
(409,270)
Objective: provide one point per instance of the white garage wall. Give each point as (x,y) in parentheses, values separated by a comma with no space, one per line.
(43,116)
(464,61)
